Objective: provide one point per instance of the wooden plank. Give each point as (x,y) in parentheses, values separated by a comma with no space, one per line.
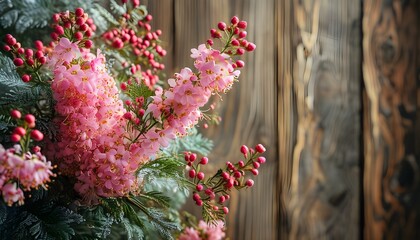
(320,183)
(391,183)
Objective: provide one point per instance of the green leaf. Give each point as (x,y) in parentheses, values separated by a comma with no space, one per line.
(138,90)
(156,197)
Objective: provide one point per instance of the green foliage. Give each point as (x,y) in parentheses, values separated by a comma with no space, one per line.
(138,90)
(193,142)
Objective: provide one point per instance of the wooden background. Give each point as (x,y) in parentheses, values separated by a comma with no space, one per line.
(332,91)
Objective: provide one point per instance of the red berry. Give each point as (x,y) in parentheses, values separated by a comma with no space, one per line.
(241,164)
(6,48)
(221,26)
(42,60)
(18,62)
(199,187)
(15,114)
(242,24)
(21,50)
(37,135)
(19,131)
(242,34)
(83,27)
(237,174)
(240,51)
(193,157)
(210,42)
(249,183)
(11,41)
(225,210)
(29,118)
(225,175)
(26,78)
(29,53)
(123,86)
(36,149)
(80,21)
(196,197)
(260,148)
(118,44)
(39,45)
(204,160)
(222,199)
(128,115)
(200,175)
(240,63)
(251,47)
(148,18)
(191,173)
(88,44)
(234,20)
(235,42)
(256,165)
(15,138)
(59,30)
(39,54)
(78,36)
(199,203)
(79,12)
(136,3)
(254,171)
(30,61)
(230,183)
(215,208)
(56,17)
(261,160)
(54,36)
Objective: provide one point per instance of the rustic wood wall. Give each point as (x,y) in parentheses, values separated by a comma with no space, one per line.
(332,91)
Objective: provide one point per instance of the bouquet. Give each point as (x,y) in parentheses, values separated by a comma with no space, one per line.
(94,142)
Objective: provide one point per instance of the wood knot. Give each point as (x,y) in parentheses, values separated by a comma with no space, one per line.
(388,51)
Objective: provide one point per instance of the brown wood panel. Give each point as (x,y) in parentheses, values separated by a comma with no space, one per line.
(320,101)
(391,182)
(248,111)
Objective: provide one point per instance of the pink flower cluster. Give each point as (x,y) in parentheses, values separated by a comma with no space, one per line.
(21,172)
(93,144)
(180,104)
(205,231)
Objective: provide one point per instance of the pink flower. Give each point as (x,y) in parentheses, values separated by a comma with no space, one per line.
(189,234)
(11,194)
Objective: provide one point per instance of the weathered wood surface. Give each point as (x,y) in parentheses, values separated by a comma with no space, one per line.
(338,168)
(391,182)
(248,111)
(319,120)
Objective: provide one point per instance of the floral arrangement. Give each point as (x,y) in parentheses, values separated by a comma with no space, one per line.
(89,130)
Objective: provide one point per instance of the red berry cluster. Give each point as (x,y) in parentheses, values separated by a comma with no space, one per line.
(135,3)
(77,27)
(140,45)
(135,110)
(213,192)
(27,61)
(233,38)
(25,131)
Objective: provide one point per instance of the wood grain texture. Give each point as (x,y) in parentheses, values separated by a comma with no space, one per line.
(319,97)
(392,177)
(248,110)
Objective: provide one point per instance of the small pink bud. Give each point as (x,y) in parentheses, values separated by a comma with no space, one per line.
(240,63)
(225,210)
(193,157)
(196,197)
(221,26)
(37,135)
(249,183)
(242,24)
(204,160)
(15,138)
(39,45)
(236,30)
(200,175)
(251,47)
(254,171)
(191,173)
(36,149)
(127,102)
(56,17)
(88,44)
(234,20)
(123,86)
(235,42)
(141,112)
(240,51)
(80,21)
(59,30)
(227,197)
(39,54)
(242,34)
(260,148)
(29,53)
(237,174)
(30,61)
(21,50)
(215,208)
(225,175)
(83,27)
(222,199)
(199,203)
(128,115)
(18,62)
(210,42)
(148,18)
(208,191)
(78,35)
(29,118)
(6,48)
(26,78)
(15,114)
(79,12)
(42,60)
(230,183)
(261,160)
(199,187)
(256,165)
(11,41)
(19,131)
